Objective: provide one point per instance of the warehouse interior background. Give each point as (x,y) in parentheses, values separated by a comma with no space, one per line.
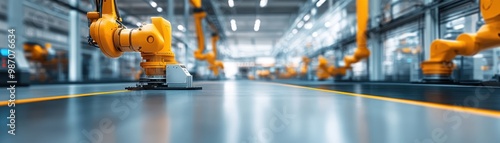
(399,37)
(262,71)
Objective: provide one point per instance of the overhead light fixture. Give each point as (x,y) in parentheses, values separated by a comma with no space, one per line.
(300,24)
(230,3)
(478,56)
(315,34)
(320,2)
(457,27)
(181,28)
(307,17)
(308,25)
(159,9)
(233,25)
(328,24)
(256,27)
(294,31)
(153,4)
(314,11)
(263,3)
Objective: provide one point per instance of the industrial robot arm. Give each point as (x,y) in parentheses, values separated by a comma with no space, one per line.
(215,65)
(324,71)
(211,57)
(290,72)
(440,64)
(37,52)
(153,41)
(305,65)
(199,15)
(362,51)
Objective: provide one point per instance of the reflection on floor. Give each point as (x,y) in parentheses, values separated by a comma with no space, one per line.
(244,112)
(482,97)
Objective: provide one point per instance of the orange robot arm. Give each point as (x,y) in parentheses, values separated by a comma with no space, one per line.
(290,72)
(36,52)
(215,38)
(362,52)
(215,64)
(444,51)
(153,41)
(305,65)
(199,15)
(211,57)
(324,71)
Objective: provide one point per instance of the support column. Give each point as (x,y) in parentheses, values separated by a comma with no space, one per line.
(170,12)
(75,55)
(15,20)
(115,68)
(96,68)
(171,17)
(186,34)
(496,65)
(375,44)
(431,29)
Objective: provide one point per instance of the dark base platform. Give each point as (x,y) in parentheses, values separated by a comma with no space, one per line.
(157,84)
(162,88)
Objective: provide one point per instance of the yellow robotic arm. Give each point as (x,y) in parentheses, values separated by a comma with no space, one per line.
(211,57)
(440,65)
(153,41)
(264,74)
(324,71)
(214,64)
(305,65)
(38,53)
(290,72)
(199,15)
(362,52)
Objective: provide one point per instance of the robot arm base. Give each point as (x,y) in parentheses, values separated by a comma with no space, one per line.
(437,68)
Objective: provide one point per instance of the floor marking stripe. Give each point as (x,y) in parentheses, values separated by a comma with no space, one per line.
(483,112)
(40,99)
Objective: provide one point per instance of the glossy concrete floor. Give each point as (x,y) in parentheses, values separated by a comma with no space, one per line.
(237,112)
(483,97)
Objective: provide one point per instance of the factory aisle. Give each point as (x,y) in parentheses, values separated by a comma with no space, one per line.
(240,112)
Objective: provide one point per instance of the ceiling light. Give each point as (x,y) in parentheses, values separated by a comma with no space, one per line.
(478,56)
(233,25)
(314,11)
(159,9)
(294,31)
(320,2)
(181,28)
(256,27)
(263,3)
(307,17)
(457,27)
(153,4)
(328,24)
(315,34)
(230,3)
(300,24)
(308,25)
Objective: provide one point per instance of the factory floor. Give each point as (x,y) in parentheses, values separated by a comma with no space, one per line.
(255,111)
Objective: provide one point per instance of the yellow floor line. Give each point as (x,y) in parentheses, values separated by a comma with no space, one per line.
(40,99)
(483,112)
